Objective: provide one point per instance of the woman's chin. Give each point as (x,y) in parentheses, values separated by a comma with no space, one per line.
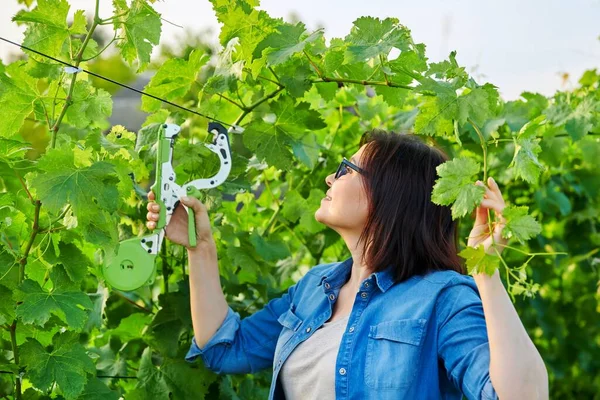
(320,217)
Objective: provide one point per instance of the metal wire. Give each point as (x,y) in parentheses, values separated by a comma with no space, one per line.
(114,82)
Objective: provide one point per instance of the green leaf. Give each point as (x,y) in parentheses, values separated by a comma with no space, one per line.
(432,119)
(519,224)
(478,261)
(268,143)
(75,262)
(37,305)
(169,323)
(294,206)
(139,29)
(95,389)
(9,268)
(286,41)
(89,106)
(79,25)
(371,37)
(48,28)
(241,258)
(151,382)
(174,379)
(7,306)
(173,79)
(456,186)
(17,96)
(89,189)
(67,364)
(241,20)
(525,159)
(187,382)
(478,105)
(131,327)
(269,249)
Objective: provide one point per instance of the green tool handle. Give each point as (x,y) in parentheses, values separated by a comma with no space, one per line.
(192,192)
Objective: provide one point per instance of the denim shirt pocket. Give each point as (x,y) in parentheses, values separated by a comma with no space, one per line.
(290,323)
(393,353)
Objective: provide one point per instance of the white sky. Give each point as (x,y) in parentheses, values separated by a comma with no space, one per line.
(518,45)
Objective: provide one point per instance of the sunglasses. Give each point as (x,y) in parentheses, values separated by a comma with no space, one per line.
(343,168)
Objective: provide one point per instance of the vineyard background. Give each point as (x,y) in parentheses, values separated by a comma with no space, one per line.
(66,197)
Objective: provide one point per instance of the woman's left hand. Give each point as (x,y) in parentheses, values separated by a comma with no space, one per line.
(480,232)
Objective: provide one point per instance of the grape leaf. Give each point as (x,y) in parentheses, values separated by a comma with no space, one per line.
(286,41)
(48,28)
(170,322)
(151,382)
(37,305)
(7,306)
(308,222)
(17,95)
(12,150)
(88,189)
(525,159)
(269,249)
(456,186)
(478,261)
(371,37)
(71,257)
(175,379)
(95,389)
(67,364)
(241,20)
(131,327)
(519,224)
(9,268)
(272,141)
(187,381)
(294,206)
(140,30)
(268,143)
(434,116)
(478,105)
(173,79)
(89,105)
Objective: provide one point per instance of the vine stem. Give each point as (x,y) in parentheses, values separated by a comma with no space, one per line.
(317,70)
(13,341)
(251,107)
(78,60)
(361,82)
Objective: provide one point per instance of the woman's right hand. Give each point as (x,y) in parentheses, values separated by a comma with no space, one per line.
(177,229)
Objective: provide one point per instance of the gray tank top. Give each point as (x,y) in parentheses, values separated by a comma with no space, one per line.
(309,371)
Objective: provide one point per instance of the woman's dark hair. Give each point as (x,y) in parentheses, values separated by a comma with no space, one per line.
(404,227)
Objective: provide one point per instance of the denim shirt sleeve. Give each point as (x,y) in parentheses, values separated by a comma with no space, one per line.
(463,344)
(244,345)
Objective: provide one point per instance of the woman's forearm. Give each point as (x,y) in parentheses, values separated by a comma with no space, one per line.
(517,370)
(208,304)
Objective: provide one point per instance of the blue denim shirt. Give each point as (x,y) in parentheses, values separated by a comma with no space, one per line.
(424,338)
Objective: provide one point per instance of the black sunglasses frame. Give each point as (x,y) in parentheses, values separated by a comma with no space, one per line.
(345,162)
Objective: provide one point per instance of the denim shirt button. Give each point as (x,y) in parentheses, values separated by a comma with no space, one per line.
(342,371)
(351,329)
(363,295)
(366,284)
(308,329)
(327,285)
(332,297)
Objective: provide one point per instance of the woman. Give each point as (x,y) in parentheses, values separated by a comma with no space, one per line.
(399,319)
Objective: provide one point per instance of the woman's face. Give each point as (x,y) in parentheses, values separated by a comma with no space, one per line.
(346,206)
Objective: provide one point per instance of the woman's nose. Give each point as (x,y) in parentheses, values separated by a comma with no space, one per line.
(329,179)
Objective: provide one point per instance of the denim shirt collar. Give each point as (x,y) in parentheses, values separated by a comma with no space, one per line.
(339,273)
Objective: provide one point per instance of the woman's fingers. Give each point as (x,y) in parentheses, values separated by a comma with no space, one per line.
(151,195)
